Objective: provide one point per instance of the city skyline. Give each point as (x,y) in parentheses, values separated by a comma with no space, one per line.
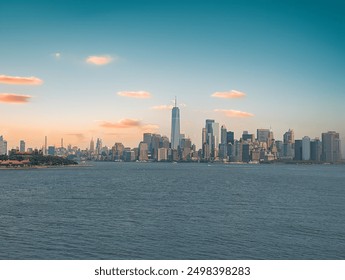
(89,71)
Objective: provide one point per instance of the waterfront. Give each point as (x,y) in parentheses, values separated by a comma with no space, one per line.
(173,211)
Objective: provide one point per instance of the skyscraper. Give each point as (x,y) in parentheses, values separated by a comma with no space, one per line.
(22,146)
(175,127)
(3,146)
(305,148)
(331,147)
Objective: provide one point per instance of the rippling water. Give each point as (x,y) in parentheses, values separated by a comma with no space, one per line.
(173,211)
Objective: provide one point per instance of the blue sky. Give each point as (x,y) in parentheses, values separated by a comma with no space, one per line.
(286,56)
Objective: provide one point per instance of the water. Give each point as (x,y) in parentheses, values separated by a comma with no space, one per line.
(173,211)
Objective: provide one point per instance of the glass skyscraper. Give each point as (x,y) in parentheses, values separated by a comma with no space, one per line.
(175,127)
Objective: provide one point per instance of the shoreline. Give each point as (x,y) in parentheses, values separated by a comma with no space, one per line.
(44,167)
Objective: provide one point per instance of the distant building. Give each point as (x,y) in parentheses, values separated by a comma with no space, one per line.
(298,150)
(22,146)
(143,151)
(305,148)
(51,150)
(3,146)
(247,136)
(230,137)
(331,151)
(162,154)
(315,150)
(175,127)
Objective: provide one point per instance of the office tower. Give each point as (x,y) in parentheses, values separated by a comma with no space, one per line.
(162,154)
(289,137)
(45,145)
(246,152)
(117,151)
(288,144)
(263,135)
(175,127)
(185,149)
(230,137)
(99,146)
(212,137)
(22,146)
(143,151)
(61,142)
(223,133)
(155,142)
(223,143)
(164,142)
(305,148)
(298,150)
(92,145)
(3,146)
(247,136)
(331,147)
(315,150)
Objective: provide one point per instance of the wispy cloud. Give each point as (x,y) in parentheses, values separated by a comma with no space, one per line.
(229,94)
(14,98)
(135,94)
(79,136)
(235,113)
(130,123)
(13,80)
(162,107)
(99,60)
(124,123)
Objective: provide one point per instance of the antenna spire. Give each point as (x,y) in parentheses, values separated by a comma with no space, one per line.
(175,101)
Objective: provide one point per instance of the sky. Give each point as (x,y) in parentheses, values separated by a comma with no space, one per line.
(111,69)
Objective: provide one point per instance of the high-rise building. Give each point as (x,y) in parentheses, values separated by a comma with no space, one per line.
(175,127)
(3,146)
(263,135)
(22,146)
(315,150)
(223,154)
(305,148)
(298,150)
(212,137)
(230,137)
(289,137)
(331,151)
(247,136)
(143,151)
(92,145)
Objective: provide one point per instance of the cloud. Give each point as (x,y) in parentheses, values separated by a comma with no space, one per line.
(235,113)
(135,94)
(12,80)
(79,136)
(162,107)
(229,94)
(14,98)
(57,55)
(130,123)
(99,60)
(124,123)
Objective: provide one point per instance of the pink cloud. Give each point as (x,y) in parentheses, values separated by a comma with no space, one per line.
(99,60)
(162,107)
(124,123)
(14,98)
(229,94)
(135,94)
(20,80)
(235,113)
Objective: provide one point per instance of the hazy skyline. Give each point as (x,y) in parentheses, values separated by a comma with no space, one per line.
(111,70)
